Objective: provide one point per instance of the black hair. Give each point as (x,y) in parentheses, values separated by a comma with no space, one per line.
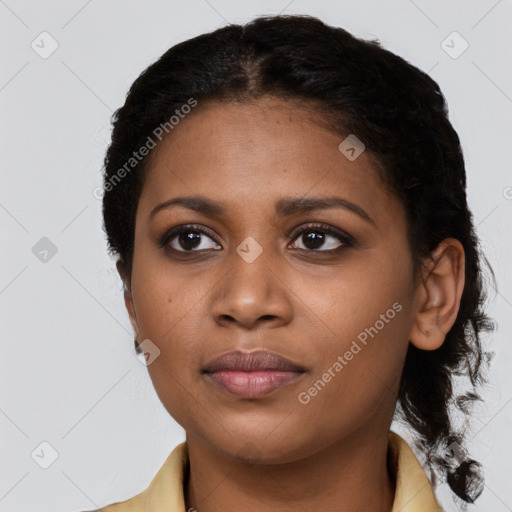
(401,116)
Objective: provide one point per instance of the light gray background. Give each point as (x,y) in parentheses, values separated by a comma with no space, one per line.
(68,373)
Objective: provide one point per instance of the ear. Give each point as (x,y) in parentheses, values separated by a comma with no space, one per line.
(128,298)
(438,296)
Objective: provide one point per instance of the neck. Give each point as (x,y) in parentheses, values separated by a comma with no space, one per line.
(352,474)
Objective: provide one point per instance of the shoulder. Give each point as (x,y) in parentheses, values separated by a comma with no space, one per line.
(413,490)
(135,504)
(165,490)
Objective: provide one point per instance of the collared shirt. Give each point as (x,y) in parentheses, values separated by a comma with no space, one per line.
(413,491)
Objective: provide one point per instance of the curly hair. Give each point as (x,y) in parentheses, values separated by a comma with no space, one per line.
(400,114)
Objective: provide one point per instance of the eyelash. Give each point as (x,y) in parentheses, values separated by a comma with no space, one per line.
(346,239)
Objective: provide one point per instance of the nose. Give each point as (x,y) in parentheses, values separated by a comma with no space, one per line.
(252,296)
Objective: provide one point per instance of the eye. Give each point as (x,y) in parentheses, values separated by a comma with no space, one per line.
(313,237)
(190,238)
(321,238)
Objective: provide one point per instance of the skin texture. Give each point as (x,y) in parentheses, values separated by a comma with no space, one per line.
(274,452)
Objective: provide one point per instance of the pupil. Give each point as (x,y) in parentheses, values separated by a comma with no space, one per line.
(189,240)
(313,240)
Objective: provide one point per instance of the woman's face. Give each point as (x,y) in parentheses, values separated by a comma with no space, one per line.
(338,304)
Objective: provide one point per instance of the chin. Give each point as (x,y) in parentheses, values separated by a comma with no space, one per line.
(255,448)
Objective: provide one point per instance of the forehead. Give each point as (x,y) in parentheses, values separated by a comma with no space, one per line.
(254,152)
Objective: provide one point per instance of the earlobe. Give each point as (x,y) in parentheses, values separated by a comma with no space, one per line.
(130,307)
(438,295)
(128,298)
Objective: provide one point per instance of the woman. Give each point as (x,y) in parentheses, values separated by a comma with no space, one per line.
(287,204)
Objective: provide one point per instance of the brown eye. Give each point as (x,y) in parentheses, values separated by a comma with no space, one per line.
(189,239)
(321,239)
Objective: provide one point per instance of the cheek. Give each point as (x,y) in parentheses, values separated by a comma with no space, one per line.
(356,376)
(366,313)
(162,299)
(352,296)
(170,312)
(165,310)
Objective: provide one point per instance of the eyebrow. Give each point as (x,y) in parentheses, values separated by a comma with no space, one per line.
(284,207)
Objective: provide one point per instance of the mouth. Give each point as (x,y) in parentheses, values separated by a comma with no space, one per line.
(251,374)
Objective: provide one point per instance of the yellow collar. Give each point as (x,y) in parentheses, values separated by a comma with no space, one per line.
(413,491)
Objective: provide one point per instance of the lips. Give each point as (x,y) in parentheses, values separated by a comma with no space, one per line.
(251,374)
(251,361)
